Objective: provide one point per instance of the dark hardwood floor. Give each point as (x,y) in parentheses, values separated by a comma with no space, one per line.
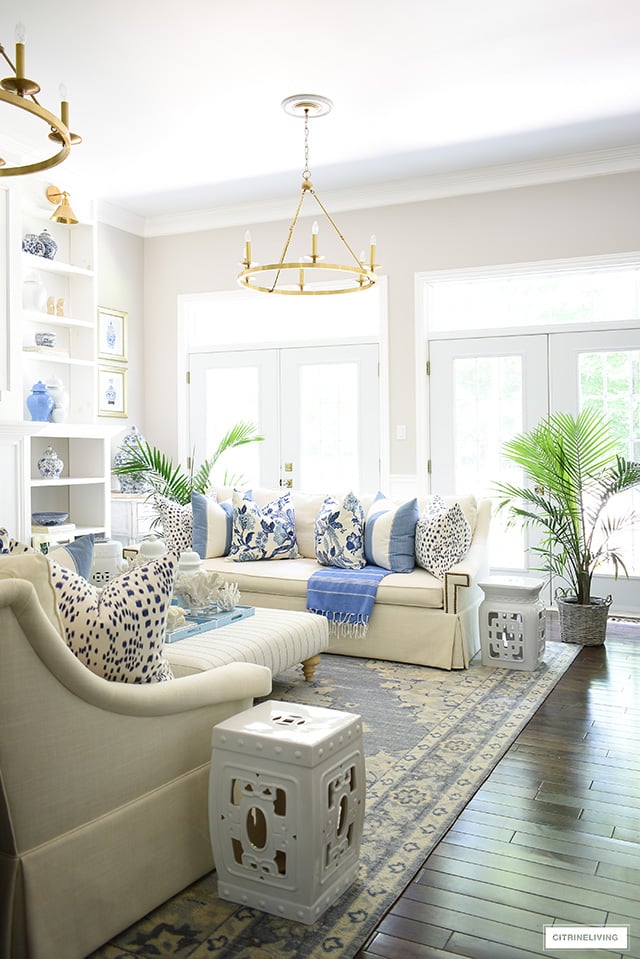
(551,837)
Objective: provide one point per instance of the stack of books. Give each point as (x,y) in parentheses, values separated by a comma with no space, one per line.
(52,535)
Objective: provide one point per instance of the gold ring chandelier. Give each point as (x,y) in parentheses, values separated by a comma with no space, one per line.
(291,277)
(18,91)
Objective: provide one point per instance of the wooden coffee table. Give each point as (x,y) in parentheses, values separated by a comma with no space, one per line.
(277,638)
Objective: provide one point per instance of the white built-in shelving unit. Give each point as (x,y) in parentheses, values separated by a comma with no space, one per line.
(81,441)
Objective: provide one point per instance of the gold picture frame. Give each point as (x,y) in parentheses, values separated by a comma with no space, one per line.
(112,391)
(112,335)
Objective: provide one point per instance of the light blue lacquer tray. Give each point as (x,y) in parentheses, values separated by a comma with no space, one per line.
(200,624)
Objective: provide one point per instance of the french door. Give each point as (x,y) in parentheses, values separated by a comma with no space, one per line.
(317,407)
(484,390)
(603,369)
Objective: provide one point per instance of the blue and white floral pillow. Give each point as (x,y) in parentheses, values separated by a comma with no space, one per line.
(263,532)
(443,536)
(339,533)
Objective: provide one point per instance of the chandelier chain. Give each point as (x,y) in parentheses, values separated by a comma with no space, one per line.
(285,248)
(306,173)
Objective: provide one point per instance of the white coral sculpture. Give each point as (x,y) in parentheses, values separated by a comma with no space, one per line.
(175,618)
(228,596)
(197,590)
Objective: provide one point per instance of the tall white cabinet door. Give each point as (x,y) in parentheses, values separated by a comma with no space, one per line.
(15,506)
(330,417)
(229,387)
(481,392)
(603,369)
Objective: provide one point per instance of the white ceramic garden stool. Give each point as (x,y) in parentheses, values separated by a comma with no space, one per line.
(286,807)
(512,623)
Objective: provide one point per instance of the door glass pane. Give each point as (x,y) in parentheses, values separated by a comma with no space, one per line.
(610,382)
(243,385)
(488,400)
(328,426)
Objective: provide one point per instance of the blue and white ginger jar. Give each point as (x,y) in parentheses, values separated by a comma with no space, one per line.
(40,402)
(50,246)
(50,464)
(130,484)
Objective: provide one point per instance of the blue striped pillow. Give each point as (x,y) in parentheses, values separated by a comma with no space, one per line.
(76,555)
(390,534)
(212,526)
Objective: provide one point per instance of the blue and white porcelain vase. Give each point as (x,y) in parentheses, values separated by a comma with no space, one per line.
(110,393)
(49,244)
(39,402)
(110,334)
(50,464)
(33,244)
(130,484)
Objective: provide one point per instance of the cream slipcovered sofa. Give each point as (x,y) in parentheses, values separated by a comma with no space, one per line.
(417,618)
(103,785)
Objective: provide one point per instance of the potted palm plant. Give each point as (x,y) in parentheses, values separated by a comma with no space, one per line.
(574,476)
(148,463)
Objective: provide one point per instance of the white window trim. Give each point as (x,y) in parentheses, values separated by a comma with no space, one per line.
(423,335)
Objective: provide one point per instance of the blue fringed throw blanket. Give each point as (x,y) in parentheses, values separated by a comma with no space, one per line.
(345,597)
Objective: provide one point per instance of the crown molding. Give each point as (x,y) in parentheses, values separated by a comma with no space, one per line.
(112,215)
(388,193)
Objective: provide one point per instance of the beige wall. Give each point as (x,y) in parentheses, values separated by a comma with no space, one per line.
(121,287)
(578,218)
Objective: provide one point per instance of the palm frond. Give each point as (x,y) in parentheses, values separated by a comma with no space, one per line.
(147,462)
(201,479)
(240,434)
(574,472)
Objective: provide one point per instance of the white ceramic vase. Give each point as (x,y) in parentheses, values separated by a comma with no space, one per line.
(34,295)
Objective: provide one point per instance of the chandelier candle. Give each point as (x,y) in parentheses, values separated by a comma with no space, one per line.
(20,37)
(19,92)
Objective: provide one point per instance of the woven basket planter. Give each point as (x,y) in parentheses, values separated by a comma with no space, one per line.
(584,624)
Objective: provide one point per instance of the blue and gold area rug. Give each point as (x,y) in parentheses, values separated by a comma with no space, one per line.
(431,738)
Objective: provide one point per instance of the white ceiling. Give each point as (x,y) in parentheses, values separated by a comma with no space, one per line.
(179,104)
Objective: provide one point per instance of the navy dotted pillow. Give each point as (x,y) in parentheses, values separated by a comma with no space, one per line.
(177,524)
(443,536)
(10,545)
(118,632)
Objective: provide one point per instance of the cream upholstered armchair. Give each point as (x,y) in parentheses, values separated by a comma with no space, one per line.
(103,785)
